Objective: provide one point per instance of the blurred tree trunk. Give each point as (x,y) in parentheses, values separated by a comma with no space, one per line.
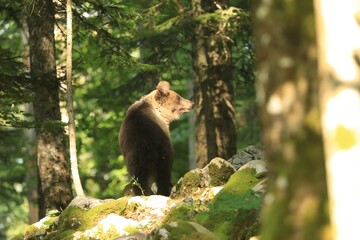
(51,154)
(214,113)
(32,175)
(296,201)
(339,58)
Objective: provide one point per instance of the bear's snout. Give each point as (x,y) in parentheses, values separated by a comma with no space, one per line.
(186,106)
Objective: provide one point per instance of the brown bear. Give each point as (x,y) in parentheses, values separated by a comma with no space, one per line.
(145,139)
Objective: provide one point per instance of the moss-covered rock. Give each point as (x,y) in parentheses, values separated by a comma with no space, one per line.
(183,230)
(219,171)
(233,213)
(74,219)
(195,182)
(209,203)
(191,183)
(185,211)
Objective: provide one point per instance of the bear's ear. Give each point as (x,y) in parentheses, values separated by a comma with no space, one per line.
(163,87)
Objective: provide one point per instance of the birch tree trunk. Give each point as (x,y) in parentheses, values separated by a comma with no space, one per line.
(215,131)
(287,88)
(70,107)
(51,154)
(339,55)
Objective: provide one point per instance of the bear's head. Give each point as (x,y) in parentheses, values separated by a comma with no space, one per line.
(169,104)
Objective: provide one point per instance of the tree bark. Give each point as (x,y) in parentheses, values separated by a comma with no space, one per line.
(32,174)
(70,107)
(51,155)
(214,113)
(296,201)
(339,54)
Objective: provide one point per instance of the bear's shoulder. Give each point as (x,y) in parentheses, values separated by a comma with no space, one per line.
(140,106)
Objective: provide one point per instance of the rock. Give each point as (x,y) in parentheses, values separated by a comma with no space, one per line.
(87,202)
(153,204)
(258,165)
(111,225)
(234,212)
(256,152)
(183,230)
(38,229)
(260,187)
(218,171)
(241,159)
(135,236)
(194,183)
(248,154)
(215,202)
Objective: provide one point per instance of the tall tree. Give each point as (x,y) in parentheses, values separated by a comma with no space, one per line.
(295,205)
(215,112)
(51,154)
(339,55)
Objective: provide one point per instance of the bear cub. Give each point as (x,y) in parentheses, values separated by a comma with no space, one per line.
(145,139)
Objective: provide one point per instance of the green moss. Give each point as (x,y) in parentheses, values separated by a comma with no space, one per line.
(131,229)
(48,225)
(132,207)
(77,219)
(17,237)
(61,235)
(31,231)
(110,234)
(242,181)
(72,218)
(191,180)
(189,184)
(222,229)
(181,231)
(184,231)
(235,208)
(182,212)
(219,175)
(99,212)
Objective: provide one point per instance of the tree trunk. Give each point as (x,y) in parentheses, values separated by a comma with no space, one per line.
(70,107)
(339,54)
(215,113)
(296,201)
(32,174)
(51,155)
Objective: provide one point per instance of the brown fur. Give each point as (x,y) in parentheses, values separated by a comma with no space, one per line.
(145,138)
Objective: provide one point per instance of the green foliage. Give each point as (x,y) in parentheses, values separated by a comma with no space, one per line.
(12,181)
